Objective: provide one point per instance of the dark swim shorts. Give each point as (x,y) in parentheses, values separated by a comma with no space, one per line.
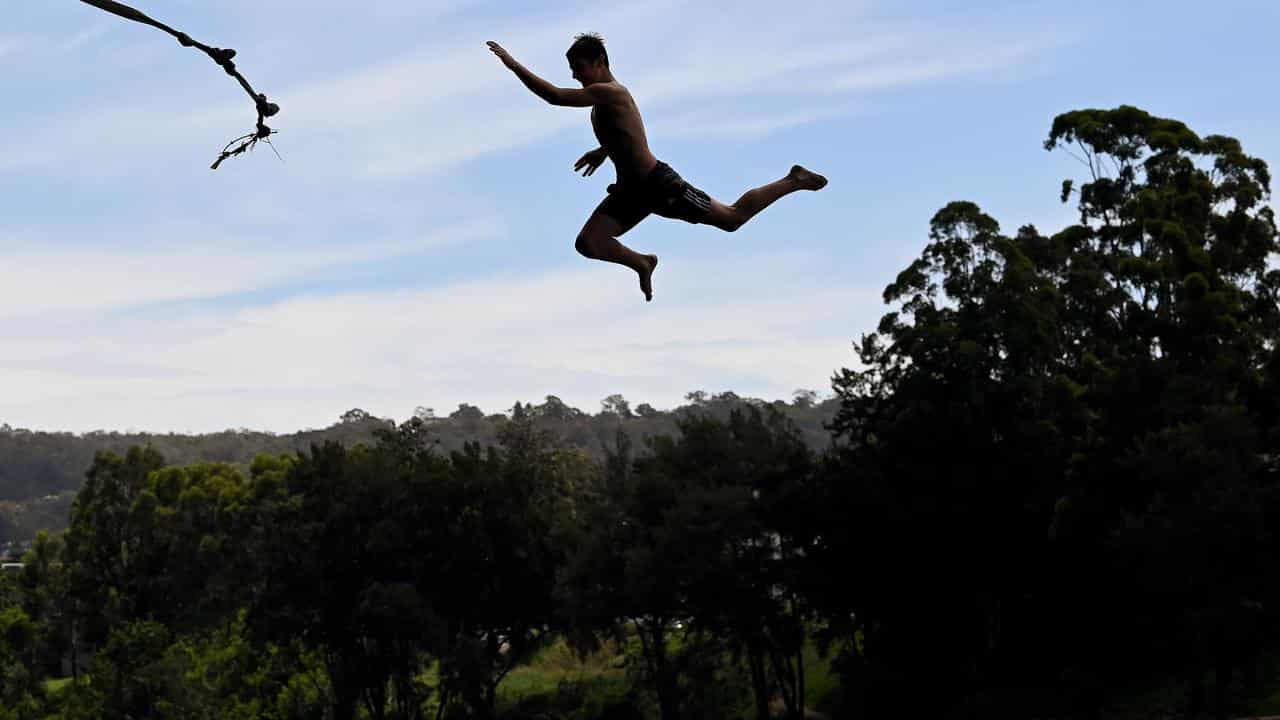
(662,192)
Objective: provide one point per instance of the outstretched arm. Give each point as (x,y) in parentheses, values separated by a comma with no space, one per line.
(593,95)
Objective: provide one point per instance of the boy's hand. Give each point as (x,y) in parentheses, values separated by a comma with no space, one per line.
(592,160)
(502,54)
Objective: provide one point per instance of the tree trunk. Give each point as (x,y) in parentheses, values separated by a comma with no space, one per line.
(117,692)
(803,637)
(345,698)
(664,681)
(786,680)
(1195,699)
(1222,689)
(490,697)
(759,681)
(490,709)
(668,703)
(75,658)
(407,704)
(800,678)
(444,702)
(376,701)
(344,707)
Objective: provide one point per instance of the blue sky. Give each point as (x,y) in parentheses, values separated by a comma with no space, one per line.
(415,246)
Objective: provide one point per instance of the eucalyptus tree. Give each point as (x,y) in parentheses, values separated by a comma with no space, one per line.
(1059,451)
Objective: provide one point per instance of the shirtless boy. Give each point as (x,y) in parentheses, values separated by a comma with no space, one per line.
(644,185)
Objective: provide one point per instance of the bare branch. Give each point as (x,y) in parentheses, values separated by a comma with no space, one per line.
(1077,157)
(1092,170)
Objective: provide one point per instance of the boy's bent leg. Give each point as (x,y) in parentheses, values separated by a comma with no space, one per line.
(598,240)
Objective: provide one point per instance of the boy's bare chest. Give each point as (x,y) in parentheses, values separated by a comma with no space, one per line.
(609,122)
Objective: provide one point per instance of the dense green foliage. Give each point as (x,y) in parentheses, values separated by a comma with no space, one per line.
(1049,490)
(1079,427)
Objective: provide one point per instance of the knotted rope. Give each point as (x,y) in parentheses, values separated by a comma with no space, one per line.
(221,56)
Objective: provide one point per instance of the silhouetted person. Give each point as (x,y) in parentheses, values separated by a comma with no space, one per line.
(645,184)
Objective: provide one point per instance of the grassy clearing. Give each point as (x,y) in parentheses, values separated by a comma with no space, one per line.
(557,680)
(557,669)
(822,685)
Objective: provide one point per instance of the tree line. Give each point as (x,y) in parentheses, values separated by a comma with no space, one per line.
(1052,483)
(37,464)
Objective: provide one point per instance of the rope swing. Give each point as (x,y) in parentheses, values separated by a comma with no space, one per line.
(221,56)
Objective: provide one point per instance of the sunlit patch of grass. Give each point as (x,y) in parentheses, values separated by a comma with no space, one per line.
(821,684)
(558,679)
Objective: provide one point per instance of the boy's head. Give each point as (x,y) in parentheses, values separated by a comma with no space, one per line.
(588,59)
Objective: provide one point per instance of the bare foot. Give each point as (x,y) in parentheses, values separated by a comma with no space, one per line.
(807,180)
(646,278)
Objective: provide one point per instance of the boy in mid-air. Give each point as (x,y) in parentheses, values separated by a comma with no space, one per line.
(645,184)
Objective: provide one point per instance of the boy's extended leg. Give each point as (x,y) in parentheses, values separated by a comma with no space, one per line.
(731,217)
(598,240)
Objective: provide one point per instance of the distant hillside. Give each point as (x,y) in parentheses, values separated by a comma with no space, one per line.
(40,471)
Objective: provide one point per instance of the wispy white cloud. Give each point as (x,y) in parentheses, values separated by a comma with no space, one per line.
(449,103)
(581,333)
(724,123)
(11,44)
(82,37)
(34,281)
(906,73)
